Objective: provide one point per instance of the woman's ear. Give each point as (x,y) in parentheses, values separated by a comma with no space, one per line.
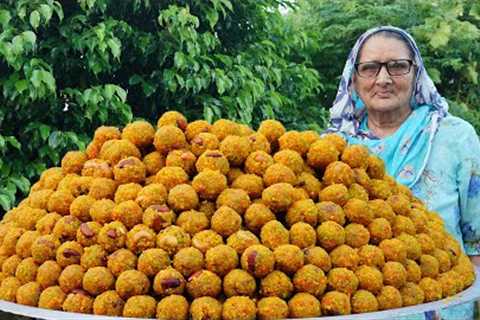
(357,101)
(354,81)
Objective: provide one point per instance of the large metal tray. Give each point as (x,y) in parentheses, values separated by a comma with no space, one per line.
(468,295)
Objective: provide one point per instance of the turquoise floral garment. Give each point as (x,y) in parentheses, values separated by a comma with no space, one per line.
(434,153)
(449,184)
(450,179)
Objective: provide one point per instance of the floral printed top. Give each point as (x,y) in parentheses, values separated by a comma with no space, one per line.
(450,182)
(450,185)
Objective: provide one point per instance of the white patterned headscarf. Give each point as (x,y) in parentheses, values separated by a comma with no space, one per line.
(346,113)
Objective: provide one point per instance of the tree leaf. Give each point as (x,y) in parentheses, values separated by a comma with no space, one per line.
(114,46)
(21,85)
(17,45)
(475,11)
(49,80)
(472,72)
(4,18)
(220,85)
(179,60)
(135,79)
(227,4)
(109,91)
(36,78)
(122,94)
(5,202)
(72,136)
(22,183)
(11,189)
(148,89)
(212,17)
(13,142)
(435,75)
(208,114)
(22,12)
(441,36)
(2,143)
(30,37)
(46,12)
(35,19)
(55,139)
(44,131)
(90,3)
(58,9)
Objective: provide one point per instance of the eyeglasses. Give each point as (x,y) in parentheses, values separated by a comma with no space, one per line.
(395,68)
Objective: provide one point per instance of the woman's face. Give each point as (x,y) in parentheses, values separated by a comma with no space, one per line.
(384,93)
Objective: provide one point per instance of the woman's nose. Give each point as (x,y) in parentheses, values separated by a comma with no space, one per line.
(383,77)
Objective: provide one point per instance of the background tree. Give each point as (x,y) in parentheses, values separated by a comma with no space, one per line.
(67,67)
(447,33)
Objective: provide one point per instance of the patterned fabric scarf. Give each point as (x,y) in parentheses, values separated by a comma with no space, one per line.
(348,116)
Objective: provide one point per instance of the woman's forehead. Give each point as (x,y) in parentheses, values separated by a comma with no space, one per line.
(380,48)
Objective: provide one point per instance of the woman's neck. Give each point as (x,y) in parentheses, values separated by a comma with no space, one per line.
(384,124)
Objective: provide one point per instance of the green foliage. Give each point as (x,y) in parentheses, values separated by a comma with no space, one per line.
(67,67)
(447,33)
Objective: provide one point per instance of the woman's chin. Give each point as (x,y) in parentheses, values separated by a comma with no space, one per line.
(379,109)
(384,105)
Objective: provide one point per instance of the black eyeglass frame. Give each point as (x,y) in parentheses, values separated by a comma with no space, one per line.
(381,64)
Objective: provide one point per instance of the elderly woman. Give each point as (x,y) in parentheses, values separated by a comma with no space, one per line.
(387,102)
